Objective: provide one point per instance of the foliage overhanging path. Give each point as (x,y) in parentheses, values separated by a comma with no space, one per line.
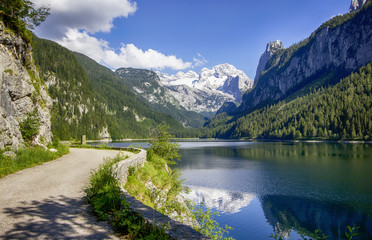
(47,201)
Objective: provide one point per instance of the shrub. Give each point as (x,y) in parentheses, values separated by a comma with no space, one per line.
(104,195)
(30,126)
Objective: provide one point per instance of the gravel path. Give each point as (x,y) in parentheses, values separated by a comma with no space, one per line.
(46,202)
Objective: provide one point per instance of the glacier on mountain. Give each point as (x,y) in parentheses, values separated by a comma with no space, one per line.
(207,91)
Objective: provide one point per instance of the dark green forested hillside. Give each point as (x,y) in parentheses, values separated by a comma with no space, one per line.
(115,94)
(89,98)
(342,111)
(69,86)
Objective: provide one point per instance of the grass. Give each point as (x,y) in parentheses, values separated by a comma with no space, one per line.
(29,157)
(164,190)
(107,203)
(105,146)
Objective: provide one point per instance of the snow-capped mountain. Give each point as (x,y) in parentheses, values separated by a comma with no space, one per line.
(207,91)
(216,78)
(146,84)
(206,102)
(181,78)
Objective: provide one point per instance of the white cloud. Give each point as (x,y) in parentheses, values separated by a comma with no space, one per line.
(199,61)
(72,23)
(128,56)
(88,15)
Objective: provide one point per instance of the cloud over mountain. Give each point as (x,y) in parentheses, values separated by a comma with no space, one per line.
(88,15)
(128,55)
(72,24)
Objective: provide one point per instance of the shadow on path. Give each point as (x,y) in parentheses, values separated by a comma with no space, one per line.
(54,218)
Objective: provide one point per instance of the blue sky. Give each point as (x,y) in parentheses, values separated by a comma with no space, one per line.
(174,35)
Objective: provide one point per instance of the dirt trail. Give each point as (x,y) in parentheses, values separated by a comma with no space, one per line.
(46,202)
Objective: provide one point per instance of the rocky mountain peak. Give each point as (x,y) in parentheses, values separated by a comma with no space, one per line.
(215,78)
(274,46)
(356,5)
(271,48)
(207,91)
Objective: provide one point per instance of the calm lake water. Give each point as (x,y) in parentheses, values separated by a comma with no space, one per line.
(285,188)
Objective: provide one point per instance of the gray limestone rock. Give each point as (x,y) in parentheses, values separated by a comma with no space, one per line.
(356,5)
(10,154)
(19,93)
(271,48)
(341,49)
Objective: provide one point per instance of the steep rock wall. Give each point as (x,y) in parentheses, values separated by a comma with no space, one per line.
(20,93)
(338,48)
(271,48)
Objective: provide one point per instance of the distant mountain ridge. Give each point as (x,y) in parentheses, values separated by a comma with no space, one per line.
(208,91)
(146,84)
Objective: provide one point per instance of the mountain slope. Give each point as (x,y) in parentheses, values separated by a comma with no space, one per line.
(342,111)
(90,99)
(146,84)
(207,91)
(298,93)
(339,47)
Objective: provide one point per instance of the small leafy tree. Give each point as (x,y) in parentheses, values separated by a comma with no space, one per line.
(19,15)
(209,226)
(162,145)
(30,126)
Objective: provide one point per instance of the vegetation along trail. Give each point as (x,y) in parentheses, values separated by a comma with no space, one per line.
(46,202)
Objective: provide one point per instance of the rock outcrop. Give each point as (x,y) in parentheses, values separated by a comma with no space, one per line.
(271,48)
(21,93)
(340,46)
(356,5)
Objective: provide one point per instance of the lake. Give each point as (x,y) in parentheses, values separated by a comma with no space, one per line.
(284,188)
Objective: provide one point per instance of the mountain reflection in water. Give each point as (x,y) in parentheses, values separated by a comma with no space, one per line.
(219,199)
(303,215)
(299,187)
(289,188)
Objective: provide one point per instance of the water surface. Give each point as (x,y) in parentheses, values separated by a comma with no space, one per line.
(286,188)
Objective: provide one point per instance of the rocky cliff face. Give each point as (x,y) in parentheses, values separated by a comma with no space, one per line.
(271,48)
(356,5)
(21,93)
(339,47)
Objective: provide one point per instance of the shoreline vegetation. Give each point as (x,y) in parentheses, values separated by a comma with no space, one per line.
(235,140)
(162,178)
(107,203)
(157,184)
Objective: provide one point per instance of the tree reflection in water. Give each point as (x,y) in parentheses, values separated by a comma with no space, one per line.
(285,213)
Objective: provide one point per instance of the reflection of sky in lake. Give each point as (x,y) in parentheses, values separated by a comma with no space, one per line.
(284,187)
(222,200)
(299,186)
